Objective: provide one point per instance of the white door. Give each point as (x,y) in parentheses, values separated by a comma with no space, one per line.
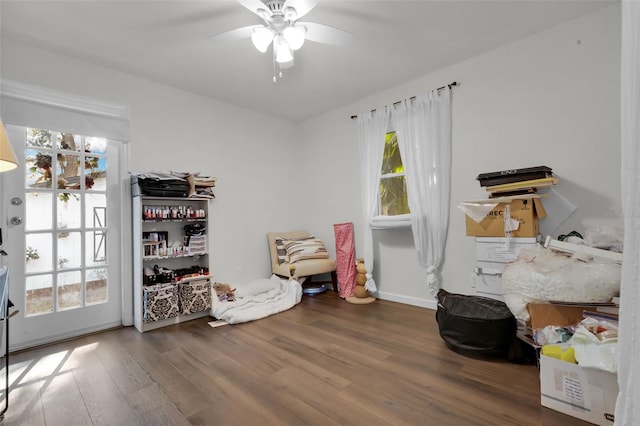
(61,235)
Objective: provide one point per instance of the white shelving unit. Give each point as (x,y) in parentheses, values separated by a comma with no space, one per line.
(159,240)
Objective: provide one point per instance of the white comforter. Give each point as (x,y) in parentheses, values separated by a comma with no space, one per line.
(258,300)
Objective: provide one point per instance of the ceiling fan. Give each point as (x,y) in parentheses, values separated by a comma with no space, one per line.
(282,30)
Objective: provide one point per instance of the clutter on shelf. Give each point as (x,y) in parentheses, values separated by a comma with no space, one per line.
(172,184)
(517,181)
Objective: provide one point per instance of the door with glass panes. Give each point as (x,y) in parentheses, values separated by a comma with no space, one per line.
(63,251)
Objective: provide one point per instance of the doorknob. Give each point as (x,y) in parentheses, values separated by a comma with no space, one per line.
(16,220)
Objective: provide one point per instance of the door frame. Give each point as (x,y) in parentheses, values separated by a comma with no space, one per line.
(15,98)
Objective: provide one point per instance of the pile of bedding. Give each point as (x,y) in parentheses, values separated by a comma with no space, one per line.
(258,299)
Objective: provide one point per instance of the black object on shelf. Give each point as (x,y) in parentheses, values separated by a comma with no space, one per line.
(514,175)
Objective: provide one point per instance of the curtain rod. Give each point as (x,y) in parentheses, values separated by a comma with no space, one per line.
(450,85)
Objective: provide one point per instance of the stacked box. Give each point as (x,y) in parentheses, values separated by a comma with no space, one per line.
(526,211)
(587,394)
(492,255)
(160,302)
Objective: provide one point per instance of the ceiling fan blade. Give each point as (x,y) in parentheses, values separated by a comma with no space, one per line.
(254,5)
(237,34)
(302,7)
(326,34)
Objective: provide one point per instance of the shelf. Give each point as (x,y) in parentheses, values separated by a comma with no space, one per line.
(175,257)
(154,230)
(200,219)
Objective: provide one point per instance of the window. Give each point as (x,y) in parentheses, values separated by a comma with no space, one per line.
(393,199)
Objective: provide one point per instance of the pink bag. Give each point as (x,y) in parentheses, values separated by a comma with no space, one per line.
(345,258)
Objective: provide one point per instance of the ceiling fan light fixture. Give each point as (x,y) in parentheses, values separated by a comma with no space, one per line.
(261,38)
(295,35)
(289,13)
(283,51)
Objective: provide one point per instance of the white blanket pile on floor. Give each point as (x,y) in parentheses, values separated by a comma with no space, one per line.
(258,299)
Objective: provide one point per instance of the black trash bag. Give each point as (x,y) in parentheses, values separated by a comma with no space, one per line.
(476,326)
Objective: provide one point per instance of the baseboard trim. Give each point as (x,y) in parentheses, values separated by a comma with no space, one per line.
(408,300)
(48,340)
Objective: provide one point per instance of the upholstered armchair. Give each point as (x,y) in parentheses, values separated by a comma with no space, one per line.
(297,254)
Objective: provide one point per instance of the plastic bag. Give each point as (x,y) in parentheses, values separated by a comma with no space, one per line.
(592,351)
(540,275)
(605,237)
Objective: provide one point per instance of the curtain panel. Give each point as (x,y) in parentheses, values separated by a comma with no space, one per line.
(423,126)
(372,128)
(628,403)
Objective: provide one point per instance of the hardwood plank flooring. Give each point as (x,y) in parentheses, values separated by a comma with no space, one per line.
(324,362)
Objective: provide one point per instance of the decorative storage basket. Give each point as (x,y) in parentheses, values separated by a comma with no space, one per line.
(195,295)
(160,302)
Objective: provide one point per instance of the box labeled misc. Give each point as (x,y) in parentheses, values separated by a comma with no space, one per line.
(524,214)
(587,394)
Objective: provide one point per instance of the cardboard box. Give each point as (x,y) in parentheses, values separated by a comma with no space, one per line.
(544,314)
(587,394)
(496,250)
(559,314)
(526,211)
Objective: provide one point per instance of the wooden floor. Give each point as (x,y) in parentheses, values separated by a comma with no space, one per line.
(324,362)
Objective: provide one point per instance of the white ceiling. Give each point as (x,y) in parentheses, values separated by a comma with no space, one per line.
(167,41)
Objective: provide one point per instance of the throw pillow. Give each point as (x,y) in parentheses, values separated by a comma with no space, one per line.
(282,251)
(305,249)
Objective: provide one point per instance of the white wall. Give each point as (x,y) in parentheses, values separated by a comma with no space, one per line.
(171,129)
(550,99)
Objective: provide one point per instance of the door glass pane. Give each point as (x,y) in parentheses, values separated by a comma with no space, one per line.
(69,250)
(96,248)
(39,138)
(37,206)
(39,254)
(69,290)
(96,286)
(39,294)
(68,171)
(38,166)
(95,173)
(69,211)
(96,210)
(95,145)
(68,142)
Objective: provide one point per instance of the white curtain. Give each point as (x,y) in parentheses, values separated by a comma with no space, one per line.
(628,404)
(372,128)
(423,126)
